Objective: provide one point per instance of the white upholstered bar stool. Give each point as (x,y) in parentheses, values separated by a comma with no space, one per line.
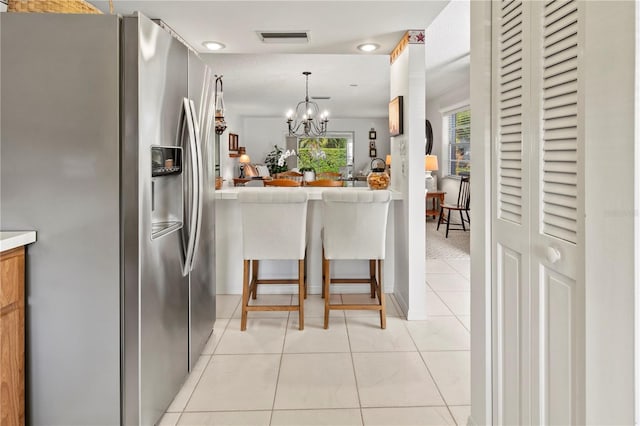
(274,222)
(355,227)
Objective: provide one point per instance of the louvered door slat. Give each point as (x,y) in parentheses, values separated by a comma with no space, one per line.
(560,200)
(561,211)
(564,178)
(561,111)
(562,67)
(560,120)
(510,111)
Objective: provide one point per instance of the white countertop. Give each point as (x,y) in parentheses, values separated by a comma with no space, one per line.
(315,193)
(13,239)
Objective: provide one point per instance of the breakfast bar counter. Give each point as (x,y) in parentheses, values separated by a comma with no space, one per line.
(229,247)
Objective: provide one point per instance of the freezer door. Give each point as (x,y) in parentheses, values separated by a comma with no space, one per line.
(202,287)
(156,292)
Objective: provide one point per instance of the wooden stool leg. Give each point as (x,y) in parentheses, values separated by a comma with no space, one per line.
(327,296)
(372,277)
(301,294)
(305,273)
(245,295)
(383,310)
(324,271)
(254,280)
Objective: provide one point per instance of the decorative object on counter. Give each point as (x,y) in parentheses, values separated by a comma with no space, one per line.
(55,6)
(219,182)
(244,159)
(233,145)
(272,161)
(306,120)
(220,125)
(395,116)
(378,178)
(430,165)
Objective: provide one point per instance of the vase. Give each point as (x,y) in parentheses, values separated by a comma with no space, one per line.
(309,176)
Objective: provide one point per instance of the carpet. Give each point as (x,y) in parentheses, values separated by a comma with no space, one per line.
(438,247)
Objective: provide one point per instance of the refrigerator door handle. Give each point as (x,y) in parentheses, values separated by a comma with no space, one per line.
(187,116)
(200,179)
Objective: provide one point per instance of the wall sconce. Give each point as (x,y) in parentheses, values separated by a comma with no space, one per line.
(220,124)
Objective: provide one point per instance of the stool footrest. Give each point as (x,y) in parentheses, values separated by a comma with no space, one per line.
(276,281)
(272,308)
(346,307)
(351,280)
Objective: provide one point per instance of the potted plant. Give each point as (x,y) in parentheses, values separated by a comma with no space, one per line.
(273,161)
(309,173)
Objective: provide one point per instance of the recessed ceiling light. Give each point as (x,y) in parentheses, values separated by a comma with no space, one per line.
(213,45)
(368,47)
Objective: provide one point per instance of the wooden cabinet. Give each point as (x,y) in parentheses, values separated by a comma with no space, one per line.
(12,337)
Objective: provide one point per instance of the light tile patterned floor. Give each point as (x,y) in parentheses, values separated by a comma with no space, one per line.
(413,373)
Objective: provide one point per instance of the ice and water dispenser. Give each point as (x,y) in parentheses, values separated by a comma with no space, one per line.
(166,190)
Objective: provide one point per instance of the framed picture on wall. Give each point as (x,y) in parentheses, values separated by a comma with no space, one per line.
(372,134)
(233,143)
(373,152)
(395,116)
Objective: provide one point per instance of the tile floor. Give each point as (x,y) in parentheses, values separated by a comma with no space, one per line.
(354,373)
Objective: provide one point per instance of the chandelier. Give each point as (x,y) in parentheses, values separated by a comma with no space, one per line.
(307,121)
(220,124)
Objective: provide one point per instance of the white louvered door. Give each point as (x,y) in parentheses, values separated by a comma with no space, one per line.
(538,213)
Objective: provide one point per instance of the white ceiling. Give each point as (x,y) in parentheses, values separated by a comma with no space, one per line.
(263,79)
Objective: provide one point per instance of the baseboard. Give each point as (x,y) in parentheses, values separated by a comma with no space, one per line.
(402,304)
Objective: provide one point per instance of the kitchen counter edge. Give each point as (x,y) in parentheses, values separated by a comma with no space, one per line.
(315,193)
(12,239)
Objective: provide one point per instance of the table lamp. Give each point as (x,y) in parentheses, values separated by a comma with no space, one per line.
(387,161)
(430,165)
(244,159)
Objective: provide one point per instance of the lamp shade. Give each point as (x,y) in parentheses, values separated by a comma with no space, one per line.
(244,158)
(430,163)
(387,161)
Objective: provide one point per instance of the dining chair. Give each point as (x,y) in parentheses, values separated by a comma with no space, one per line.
(325,182)
(274,227)
(291,175)
(354,226)
(282,182)
(464,199)
(328,175)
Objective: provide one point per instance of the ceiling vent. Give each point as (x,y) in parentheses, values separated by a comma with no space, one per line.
(321,98)
(284,36)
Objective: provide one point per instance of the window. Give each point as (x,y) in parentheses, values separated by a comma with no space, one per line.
(458,127)
(327,154)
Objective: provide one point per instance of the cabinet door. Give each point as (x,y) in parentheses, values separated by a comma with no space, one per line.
(12,337)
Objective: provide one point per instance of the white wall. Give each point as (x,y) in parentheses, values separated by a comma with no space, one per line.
(407,153)
(260,134)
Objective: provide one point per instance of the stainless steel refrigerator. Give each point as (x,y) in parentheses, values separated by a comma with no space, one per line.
(106,151)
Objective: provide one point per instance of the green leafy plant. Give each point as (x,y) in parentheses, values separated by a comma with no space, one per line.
(272,161)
